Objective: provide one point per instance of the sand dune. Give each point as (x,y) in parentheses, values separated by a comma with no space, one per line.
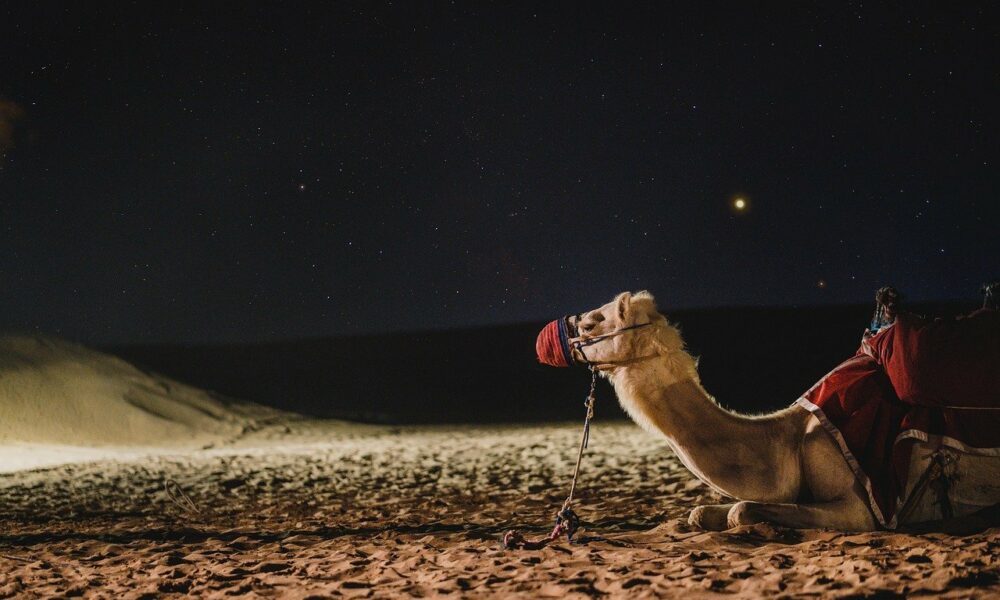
(61,402)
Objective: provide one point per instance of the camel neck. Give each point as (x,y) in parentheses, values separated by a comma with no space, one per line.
(734,454)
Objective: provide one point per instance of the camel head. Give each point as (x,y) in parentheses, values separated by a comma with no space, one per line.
(626,330)
(635,332)
(617,331)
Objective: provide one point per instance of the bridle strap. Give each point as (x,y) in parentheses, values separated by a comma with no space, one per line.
(604,366)
(615,333)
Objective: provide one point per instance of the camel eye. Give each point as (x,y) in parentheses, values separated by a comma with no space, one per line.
(590,321)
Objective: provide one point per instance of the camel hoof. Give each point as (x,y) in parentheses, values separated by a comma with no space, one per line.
(712,518)
(742,513)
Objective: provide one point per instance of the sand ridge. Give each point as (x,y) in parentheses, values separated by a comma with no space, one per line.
(325,509)
(61,403)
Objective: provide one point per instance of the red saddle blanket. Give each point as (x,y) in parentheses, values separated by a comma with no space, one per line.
(929,380)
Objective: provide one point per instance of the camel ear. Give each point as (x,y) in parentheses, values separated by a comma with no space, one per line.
(623,306)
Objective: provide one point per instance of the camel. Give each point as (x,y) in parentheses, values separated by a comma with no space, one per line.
(784,468)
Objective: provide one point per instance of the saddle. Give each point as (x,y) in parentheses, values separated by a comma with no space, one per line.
(917,389)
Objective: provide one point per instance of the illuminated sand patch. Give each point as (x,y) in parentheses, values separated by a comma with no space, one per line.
(61,402)
(326,508)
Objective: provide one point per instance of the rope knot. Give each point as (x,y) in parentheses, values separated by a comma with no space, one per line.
(567,522)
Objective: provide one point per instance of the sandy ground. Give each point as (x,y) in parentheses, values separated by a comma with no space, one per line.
(324,509)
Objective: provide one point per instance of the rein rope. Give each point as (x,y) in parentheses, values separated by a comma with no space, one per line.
(566,520)
(584,439)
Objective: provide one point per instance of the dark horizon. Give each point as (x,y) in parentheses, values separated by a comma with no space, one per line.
(205,173)
(931,308)
(492,375)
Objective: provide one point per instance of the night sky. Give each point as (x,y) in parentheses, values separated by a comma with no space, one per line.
(196,172)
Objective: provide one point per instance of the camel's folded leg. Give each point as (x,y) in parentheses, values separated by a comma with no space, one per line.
(846,515)
(713,517)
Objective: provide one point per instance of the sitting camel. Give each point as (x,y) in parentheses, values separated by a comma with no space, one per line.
(785,467)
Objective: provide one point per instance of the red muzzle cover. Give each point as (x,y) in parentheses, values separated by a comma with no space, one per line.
(552,345)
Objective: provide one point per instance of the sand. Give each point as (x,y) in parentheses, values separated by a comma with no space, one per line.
(328,509)
(61,402)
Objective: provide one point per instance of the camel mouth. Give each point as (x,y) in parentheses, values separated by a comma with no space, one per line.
(571,321)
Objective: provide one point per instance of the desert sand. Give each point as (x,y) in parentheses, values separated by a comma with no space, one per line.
(123,484)
(326,509)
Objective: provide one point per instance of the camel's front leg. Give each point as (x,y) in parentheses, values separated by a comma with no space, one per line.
(713,517)
(845,515)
